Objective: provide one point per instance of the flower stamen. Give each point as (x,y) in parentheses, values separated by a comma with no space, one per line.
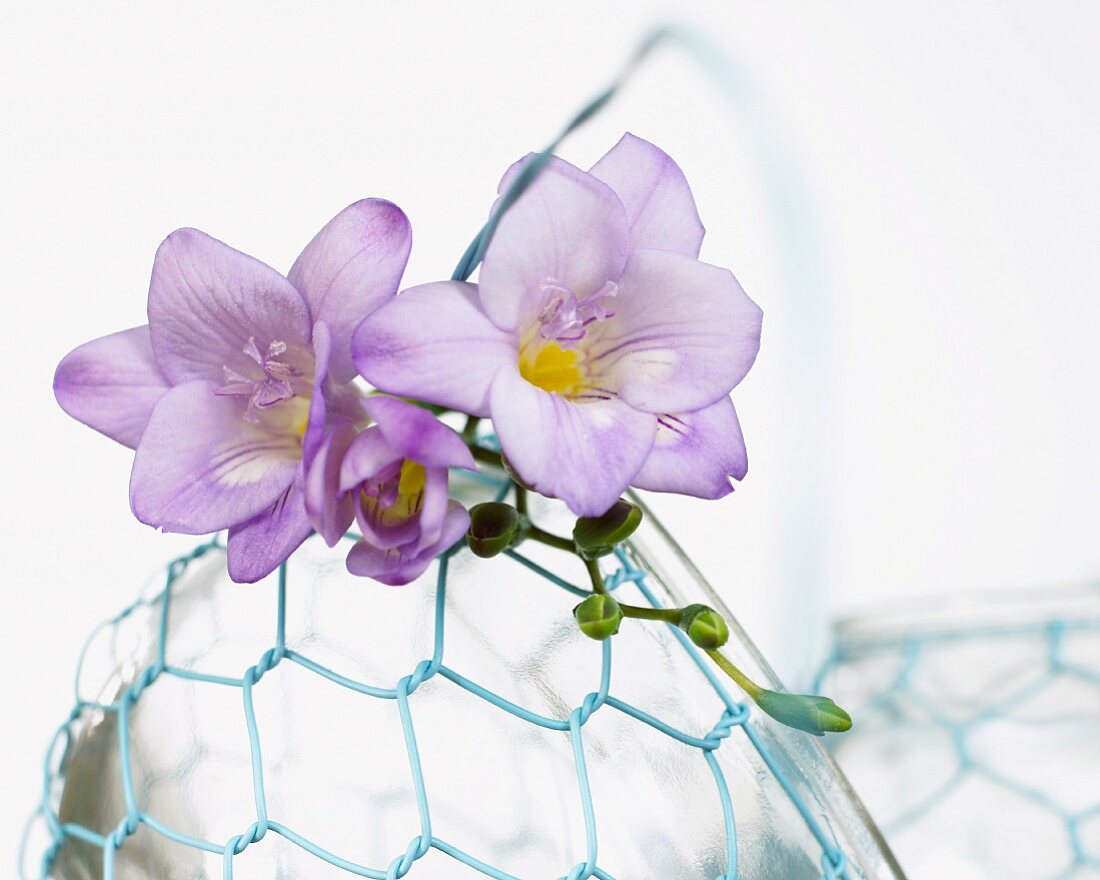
(563,317)
(263,393)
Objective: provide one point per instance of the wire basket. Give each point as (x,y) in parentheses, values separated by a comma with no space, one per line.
(977,734)
(319,725)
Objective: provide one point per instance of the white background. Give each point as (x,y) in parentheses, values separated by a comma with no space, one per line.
(925,404)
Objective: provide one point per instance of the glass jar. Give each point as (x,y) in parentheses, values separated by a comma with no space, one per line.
(324,726)
(977,731)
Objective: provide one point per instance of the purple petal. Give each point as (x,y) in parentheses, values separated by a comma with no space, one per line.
(368,455)
(111,384)
(584,453)
(256,548)
(318,410)
(684,334)
(417,434)
(383,534)
(659,206)
(201,467)
(569,228)
(696,453)
(351,267)
(207,300)
(434,343)
(330,510)
(395,567)
(434,507)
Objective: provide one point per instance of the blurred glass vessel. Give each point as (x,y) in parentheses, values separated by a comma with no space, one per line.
(329,728)
(976,741)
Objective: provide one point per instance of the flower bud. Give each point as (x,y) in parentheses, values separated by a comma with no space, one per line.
(597,536)
(806,712)
(705,627)
(493,528)
(598,616)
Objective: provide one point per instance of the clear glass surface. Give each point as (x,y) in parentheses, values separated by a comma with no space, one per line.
(976,741)
(502,789)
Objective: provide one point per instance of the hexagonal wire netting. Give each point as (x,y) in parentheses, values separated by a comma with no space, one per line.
(977,744)
(733,720)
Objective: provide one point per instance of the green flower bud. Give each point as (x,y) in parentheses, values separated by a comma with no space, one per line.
(705,627)
(598,616)
(493,528)
(807,712)
(597,536)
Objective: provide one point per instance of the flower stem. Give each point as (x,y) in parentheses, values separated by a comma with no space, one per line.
(746,684)
(486,456)
(469,431)
(668,615)
(521,500)
(534,533)
(594,574)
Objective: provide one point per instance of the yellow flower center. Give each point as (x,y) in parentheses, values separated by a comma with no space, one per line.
(409,500)
(552,368)
(299,415)
(410,487)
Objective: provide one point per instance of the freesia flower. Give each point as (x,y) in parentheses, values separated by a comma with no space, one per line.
(601,347)
(392,480)
(234,379)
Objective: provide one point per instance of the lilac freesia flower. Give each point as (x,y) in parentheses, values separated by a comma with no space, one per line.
(392,480)
(601,347)
(227,391)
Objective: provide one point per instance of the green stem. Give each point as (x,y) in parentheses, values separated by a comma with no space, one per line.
(534,533)
(594,574)
(521,500)
(487,456)
(668,615)
(469,432)
(746,684)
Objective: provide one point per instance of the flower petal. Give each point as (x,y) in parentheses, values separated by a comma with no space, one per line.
(433,509)
(684,334)
(433,342)
(352,266)
(329,509)
(584,453)
(417,434)
(318,407)
(367,456)
(659,205)
(567,227)
(696,453)
(400,535)
(206,300)
(393,566)
(256,548)
(201,467)
(330,402)
(111,384)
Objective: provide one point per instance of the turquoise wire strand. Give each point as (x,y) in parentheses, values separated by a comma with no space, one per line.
(734,716)
(890,705)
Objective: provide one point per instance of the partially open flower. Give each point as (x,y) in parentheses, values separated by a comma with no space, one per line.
(391,479)
(601,347)
(228,389)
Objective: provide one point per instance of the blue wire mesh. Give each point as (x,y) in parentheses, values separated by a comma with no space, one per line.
(734,717)
(917,696)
